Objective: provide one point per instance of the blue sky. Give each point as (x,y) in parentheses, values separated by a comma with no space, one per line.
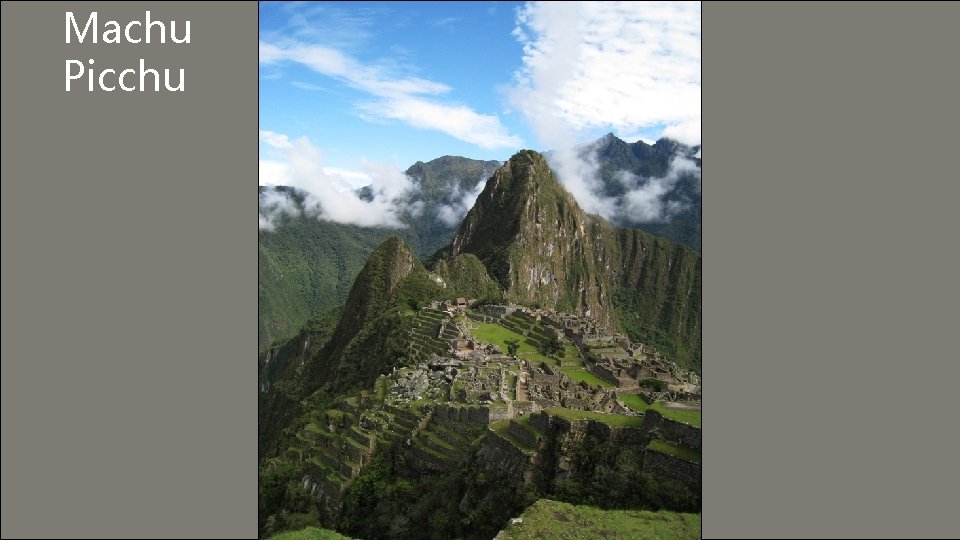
(466,46)
(351,92)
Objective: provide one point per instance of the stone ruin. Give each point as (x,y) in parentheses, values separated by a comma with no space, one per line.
(471,371)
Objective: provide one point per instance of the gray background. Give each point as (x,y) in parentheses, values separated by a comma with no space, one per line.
(830,271)
(129,277)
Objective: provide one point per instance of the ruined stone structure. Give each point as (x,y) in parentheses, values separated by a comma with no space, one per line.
(455,387)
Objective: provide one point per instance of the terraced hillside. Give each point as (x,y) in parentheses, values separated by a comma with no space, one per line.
(465,425)
(430,330)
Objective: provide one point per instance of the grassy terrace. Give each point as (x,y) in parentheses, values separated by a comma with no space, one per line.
(498,335)
(637,403)
(502,428)
(310,533)
(512,386)
(437,439)
(579,373)
(553,519)
(615,420)
(678,451)
(524,422)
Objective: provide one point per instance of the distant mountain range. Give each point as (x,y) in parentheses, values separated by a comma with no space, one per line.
(307,265)
(644,164)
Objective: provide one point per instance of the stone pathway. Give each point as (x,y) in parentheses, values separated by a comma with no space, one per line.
(522,394)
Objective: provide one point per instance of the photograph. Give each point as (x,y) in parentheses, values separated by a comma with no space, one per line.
(479,270)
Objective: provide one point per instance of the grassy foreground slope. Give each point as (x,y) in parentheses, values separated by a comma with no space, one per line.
(558,520)
(310,533)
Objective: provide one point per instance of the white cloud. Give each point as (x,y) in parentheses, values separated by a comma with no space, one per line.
(628,67)
(356,178)
(461,203)
(330,193)
(457,121)
(272,206)
(407,99)
(307,86)
(623,65)
(686,132)
(275,140)
(644,201)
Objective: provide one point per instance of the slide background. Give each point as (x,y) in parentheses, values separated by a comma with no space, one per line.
(830,263)
(129,279)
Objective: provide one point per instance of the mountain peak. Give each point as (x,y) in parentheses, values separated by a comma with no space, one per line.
(524,190)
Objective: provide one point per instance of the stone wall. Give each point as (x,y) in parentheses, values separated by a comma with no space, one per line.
(525,407)
(501,457)
(480,318)
(522,435)
(603,372)
(540,421)
(528,316)
(497,310)
(473,415)
(665,466)
(496,414)
(673,431)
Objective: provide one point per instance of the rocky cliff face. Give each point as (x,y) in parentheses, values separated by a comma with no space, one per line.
(583,460)
(372,292)
(544,250)
(536,241)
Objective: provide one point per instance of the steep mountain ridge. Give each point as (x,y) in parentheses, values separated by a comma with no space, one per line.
(544,250)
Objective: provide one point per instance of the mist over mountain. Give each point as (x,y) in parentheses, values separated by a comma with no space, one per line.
(655,188)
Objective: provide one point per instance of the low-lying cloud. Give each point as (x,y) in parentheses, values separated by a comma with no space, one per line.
(328,194)
(274,204)
(462,201)
(646,199)
(390,199)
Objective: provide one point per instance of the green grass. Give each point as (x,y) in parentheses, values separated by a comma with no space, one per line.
(356,443)
(553,519)
(679,451)
(498,335)
(502,428)
(383,386)
(615,420)
(310,533)
(524,422)
(580,373)
(512,386)
(637,403)
(437,439)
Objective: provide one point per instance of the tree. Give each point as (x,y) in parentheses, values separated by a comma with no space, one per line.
(512,346)
(553,348)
